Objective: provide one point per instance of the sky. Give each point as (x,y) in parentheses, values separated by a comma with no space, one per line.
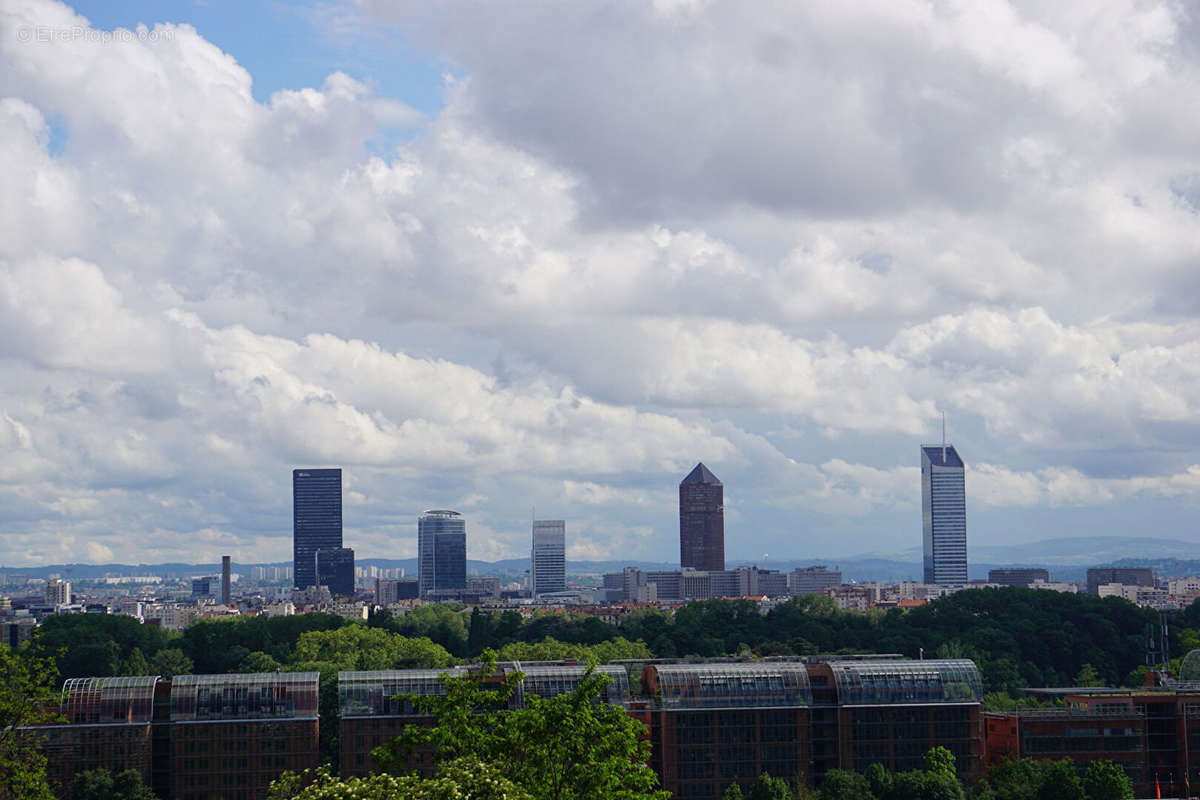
(521,258)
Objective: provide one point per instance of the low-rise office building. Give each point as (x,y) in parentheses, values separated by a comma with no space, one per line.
(196,737)
(1153,733)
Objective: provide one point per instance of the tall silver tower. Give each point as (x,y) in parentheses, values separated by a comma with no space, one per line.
(944,514)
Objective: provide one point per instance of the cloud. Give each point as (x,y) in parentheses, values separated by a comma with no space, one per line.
(636,236)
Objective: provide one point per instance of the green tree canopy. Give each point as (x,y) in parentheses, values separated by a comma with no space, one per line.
(25,694)
(553,650)
(572,746)
(767,788)
(456,780)
(358,647)
(1059,781)
(100,784)
(1105,780)
(843,785)
(170,662)
(258,661)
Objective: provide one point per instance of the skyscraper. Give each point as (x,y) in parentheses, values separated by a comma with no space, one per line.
(944,514)
(316,520)
(441,553)
(548,557)
(226,580)
(701,521)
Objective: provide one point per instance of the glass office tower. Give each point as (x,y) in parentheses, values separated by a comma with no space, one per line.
(316,520)
(441,553)
(548,557)
(944,514)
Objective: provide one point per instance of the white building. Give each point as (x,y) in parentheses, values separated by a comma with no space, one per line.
(58,593)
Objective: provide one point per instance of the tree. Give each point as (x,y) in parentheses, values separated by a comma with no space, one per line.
(940,761)
(25,696)
(455,780)
(136,663)
(1015,779)
(171,662)
(842,785)
(1059,781)
(1088,676)
(768,788)
(572,746)
(100,784)
(356,647)
(924,785)
(878,779)
(1105,780)
(553,650)
(258,661)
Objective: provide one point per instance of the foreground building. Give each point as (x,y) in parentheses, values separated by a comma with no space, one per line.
(196,737)
(370,712)
(711,723)
(1153,733)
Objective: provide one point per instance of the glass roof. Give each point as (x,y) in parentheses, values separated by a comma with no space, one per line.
(899,682)
(368,693)
(256,695)
(549,681)
(108,700)
(736,685)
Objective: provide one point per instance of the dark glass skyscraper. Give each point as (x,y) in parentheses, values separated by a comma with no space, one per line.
(335,569)
(441,552)
(316,520)
(944,514)
(701,521)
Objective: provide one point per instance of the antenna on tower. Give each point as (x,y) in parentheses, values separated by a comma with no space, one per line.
(943,437)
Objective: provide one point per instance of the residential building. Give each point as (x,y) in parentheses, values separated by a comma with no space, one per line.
(701,521)
(58,592)
(944,514)
(548,557)
(316,520)
(813,580)
(441,553)
(335,569)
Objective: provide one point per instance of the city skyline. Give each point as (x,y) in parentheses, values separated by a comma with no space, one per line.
(782,240)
